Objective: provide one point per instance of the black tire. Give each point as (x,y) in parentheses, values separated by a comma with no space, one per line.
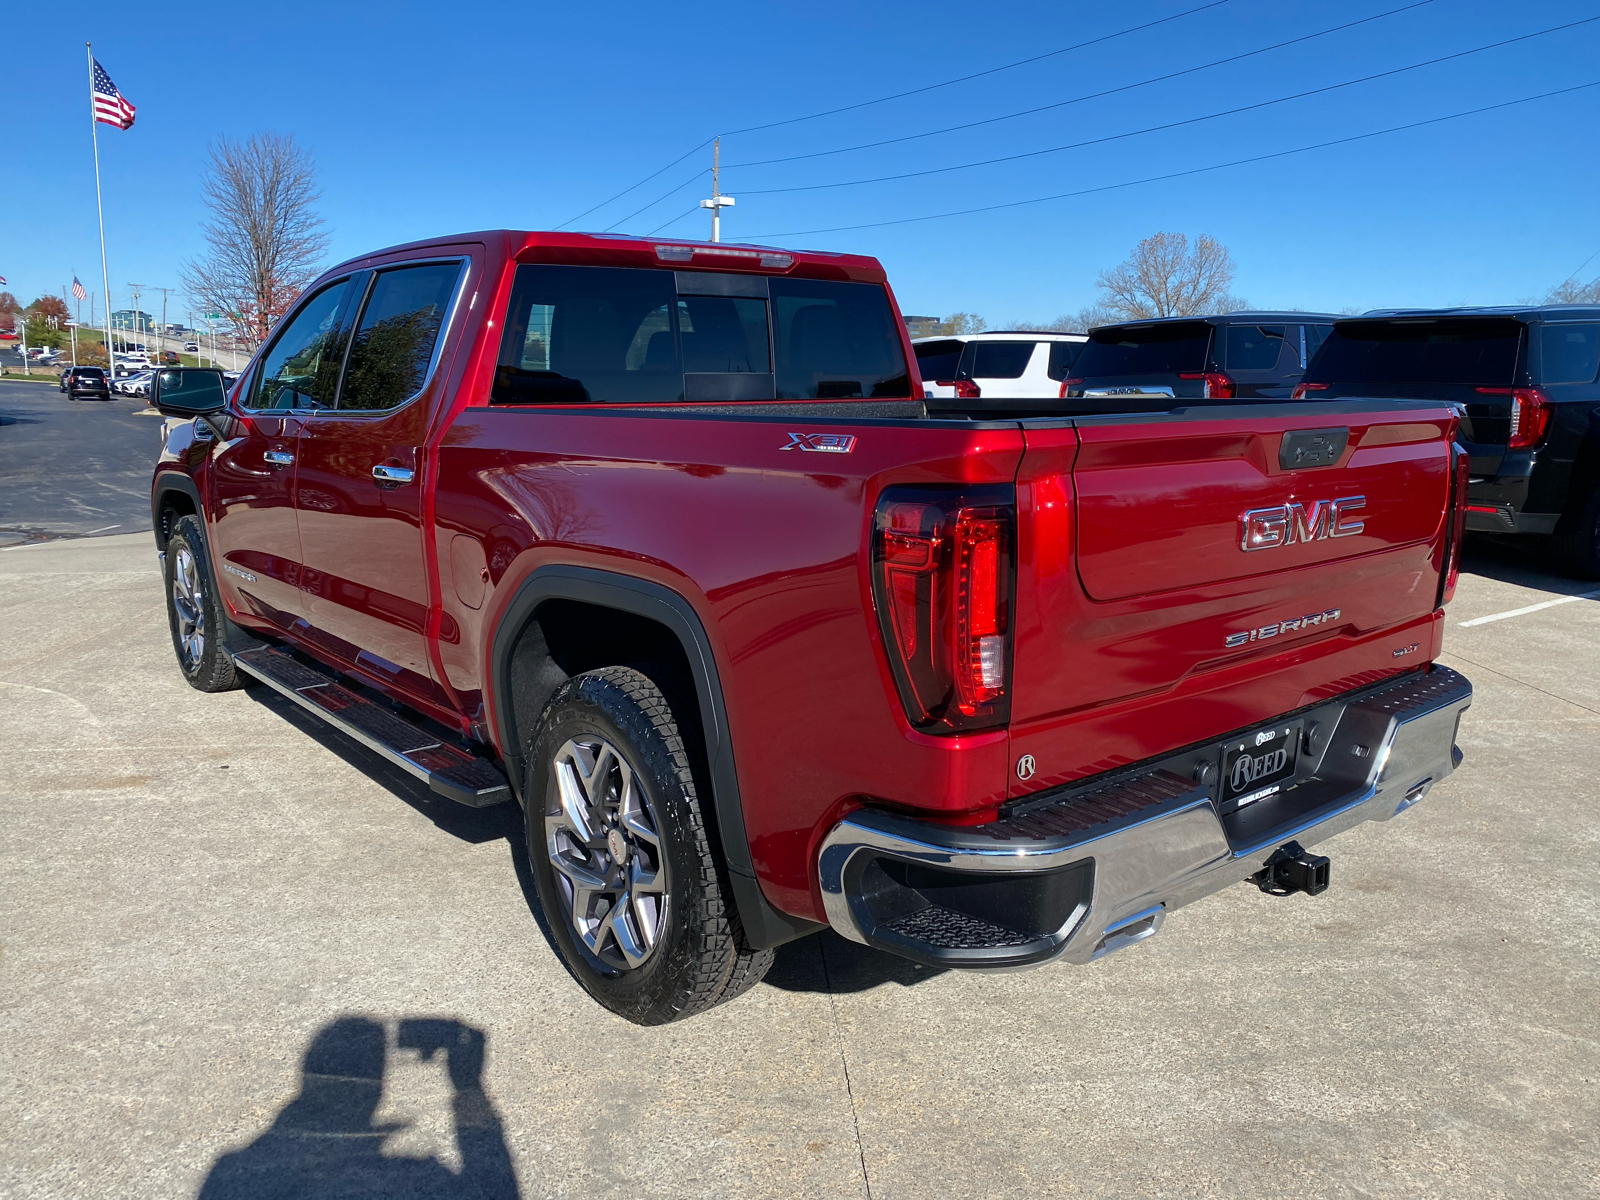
(1575,547)
(194,611)
(696,957)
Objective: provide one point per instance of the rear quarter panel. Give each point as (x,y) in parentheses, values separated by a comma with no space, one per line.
(768,546)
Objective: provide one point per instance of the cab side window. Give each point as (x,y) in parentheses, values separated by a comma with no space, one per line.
(394,340)
(301,367)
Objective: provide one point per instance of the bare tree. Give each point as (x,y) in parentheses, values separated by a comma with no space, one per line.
(1163,277)
(1570,291)
(264,236)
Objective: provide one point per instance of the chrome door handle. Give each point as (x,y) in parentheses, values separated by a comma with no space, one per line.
(281,458)
(387,474)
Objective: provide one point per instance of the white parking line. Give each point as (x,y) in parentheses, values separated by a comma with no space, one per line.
(1532,608)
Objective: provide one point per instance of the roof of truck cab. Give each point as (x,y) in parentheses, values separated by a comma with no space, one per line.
(1520,312)
(1247,317)
(627,250)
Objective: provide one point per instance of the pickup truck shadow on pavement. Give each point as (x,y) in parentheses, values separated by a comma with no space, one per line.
(326,1142)
(1503,559)
(824,962)
(471,825)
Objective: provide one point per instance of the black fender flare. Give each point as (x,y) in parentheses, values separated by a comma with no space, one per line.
(172,481)
(764,925)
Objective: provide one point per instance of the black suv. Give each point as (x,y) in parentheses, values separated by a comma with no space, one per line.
(1528,382)
(85,381)
(1242,355)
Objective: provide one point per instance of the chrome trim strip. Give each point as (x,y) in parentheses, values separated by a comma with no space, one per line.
(1175,855)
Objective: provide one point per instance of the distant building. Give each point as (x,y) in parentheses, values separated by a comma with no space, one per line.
(139,322)
(925,326)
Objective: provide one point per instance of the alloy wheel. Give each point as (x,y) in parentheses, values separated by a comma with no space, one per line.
(188,601)
(604,842)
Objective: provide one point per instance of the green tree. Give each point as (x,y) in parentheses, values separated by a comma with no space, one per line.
(40,333)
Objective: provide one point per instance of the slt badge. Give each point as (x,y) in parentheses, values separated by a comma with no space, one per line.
(821,443)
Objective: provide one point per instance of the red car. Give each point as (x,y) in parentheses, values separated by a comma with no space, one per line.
(662,540)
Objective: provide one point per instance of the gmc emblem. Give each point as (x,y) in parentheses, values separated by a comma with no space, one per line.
(1268,528)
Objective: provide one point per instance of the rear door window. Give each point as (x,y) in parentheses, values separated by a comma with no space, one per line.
(1570,353)
(1473,353)
(836,341)
(998,360)
(1315,336)
(1145,350)
(1256,347)
(938,360)
(394,341)
(1062,357)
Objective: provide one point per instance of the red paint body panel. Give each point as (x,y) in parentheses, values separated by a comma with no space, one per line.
(1129,572)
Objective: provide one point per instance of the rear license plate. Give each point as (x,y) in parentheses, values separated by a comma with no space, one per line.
(1255,766)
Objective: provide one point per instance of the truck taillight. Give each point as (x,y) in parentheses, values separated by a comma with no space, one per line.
(965,388)
(1068,384)
(1458,525)
(1217,385)
(1530,415)
(942,585)
(1300,390)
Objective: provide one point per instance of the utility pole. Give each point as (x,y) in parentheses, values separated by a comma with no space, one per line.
(718,201)
(161,332)
(135,288)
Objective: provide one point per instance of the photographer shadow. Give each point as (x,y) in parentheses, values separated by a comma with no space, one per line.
(325,1143)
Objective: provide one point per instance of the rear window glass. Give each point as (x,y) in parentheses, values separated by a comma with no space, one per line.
(580,334)
(836,341)
(1146,350)
(1571,353)
(1256,347)
(1315,336)
(1000,360)
(1062,356)
(1472,353)
(938,360)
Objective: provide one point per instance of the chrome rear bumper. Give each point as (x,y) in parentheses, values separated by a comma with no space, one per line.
(1079,872)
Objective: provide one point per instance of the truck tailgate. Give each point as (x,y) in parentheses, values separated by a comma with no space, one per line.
(1144,622)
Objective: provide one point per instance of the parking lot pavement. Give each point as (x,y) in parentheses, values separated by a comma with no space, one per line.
(242,955)
(73,468)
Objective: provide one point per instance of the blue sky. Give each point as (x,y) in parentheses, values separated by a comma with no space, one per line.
(426,119)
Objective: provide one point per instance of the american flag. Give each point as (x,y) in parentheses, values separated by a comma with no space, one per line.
(110,106)
(77,290)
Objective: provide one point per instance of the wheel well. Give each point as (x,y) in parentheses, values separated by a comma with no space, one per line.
(564,638)
(174,504)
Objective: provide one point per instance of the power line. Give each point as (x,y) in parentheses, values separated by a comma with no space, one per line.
(638,185)
(1028,112)
(686,213)
(654,202)
(1569,278)
(980,74)
(1238,162)
(898,96)
(1230,112)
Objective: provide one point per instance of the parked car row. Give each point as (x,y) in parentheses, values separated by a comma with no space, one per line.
(81,383)
(1526,380)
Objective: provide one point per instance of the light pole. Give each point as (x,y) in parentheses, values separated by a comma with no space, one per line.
(718,201)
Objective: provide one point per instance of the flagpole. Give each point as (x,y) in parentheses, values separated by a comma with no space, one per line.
(105,274)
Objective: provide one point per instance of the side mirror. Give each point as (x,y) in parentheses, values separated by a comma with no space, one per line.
(188,391)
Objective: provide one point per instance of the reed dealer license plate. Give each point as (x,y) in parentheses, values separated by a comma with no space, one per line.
(1255,766)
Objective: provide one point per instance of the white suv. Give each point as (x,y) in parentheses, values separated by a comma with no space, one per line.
(1000,365)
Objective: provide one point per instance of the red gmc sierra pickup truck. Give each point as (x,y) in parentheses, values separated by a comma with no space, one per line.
(663,541)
